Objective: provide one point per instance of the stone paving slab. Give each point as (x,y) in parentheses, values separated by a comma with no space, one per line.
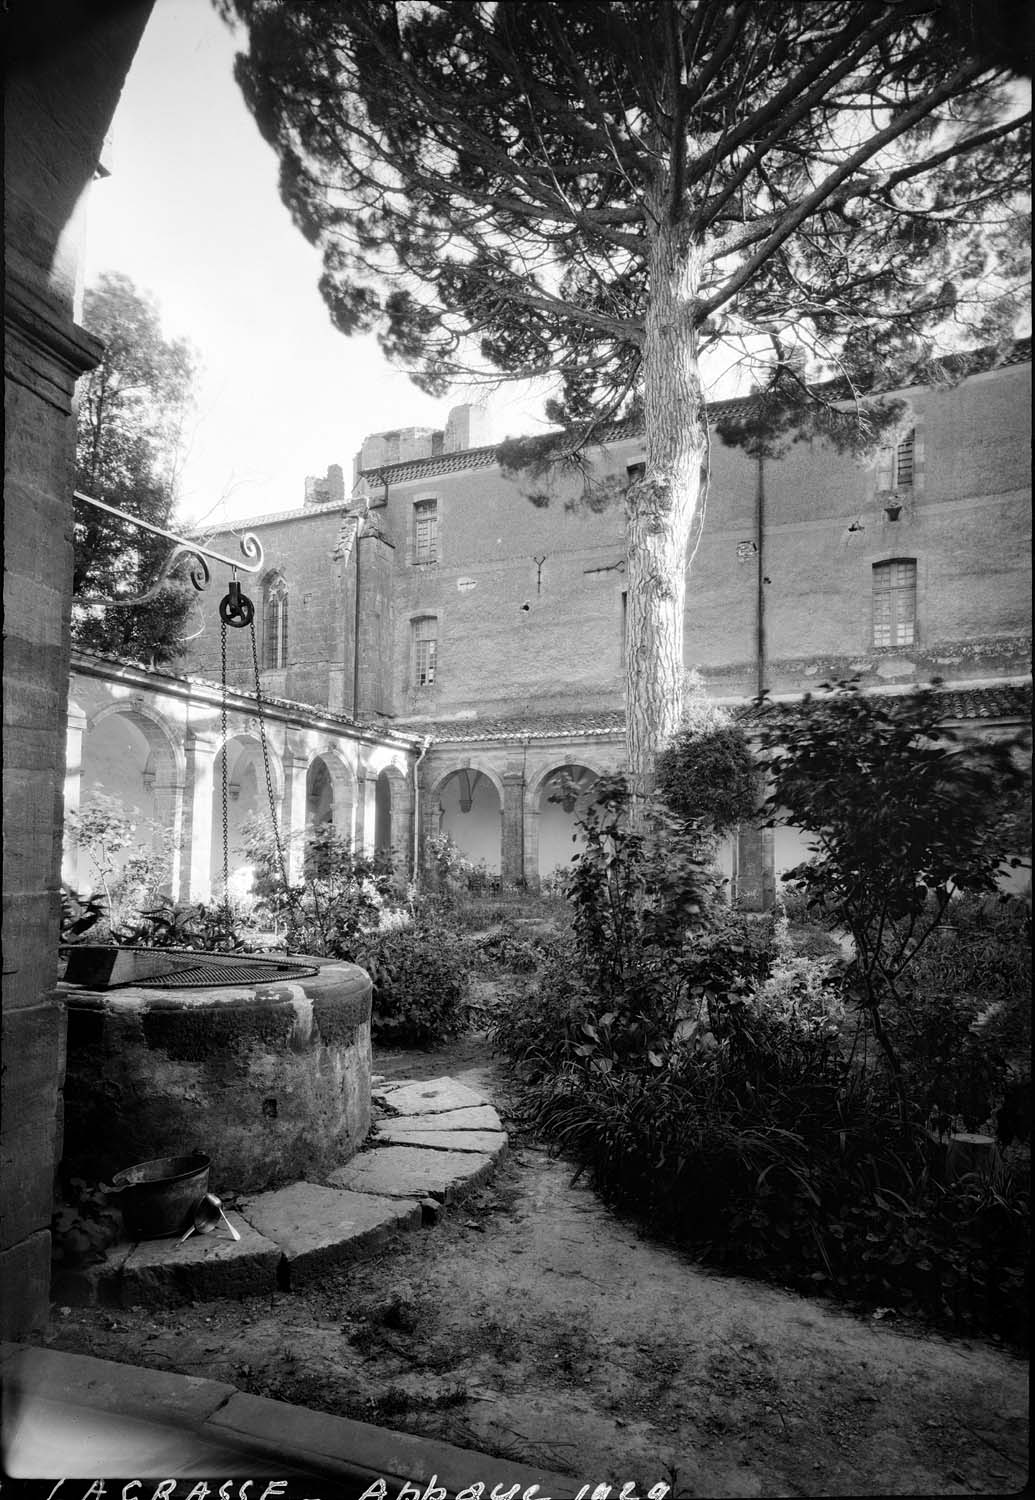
(474,1117)
(316,1227)
(410,1133)
(102,1385)
(412,1172)
(433,1096)
(340,1445)
(167,1272)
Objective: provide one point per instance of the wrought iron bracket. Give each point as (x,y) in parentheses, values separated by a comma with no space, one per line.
(200,574)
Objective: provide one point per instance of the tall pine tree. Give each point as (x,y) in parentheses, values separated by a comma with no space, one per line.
(602,190)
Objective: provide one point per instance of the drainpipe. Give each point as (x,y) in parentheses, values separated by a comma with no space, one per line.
(760,661)
(416,810)
(355,626)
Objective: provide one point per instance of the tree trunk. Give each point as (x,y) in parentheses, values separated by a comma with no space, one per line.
(662,505)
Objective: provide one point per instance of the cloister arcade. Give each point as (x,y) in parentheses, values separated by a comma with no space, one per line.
(148,747)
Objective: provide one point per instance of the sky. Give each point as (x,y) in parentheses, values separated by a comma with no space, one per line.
(192,214)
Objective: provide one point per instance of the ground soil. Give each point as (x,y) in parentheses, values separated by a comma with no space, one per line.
(533,1323)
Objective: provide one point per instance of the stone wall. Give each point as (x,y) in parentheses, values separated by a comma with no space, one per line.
(527,592)
(67,61)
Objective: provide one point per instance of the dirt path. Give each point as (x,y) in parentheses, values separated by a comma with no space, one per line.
(533,1323)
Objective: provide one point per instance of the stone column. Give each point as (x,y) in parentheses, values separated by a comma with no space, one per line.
(292,814)
(531,844)
(76,728)
(199,787)
(169,811)
(754,876)
(366,812)
(513,827)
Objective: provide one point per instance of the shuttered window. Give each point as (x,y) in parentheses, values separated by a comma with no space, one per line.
(896,466)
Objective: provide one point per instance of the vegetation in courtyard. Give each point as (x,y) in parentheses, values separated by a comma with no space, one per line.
(905,816)
(130,443)
(603,193)
(724,1079)
(129,859)
(708,775)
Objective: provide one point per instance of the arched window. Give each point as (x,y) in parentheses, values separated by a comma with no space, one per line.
(276,624)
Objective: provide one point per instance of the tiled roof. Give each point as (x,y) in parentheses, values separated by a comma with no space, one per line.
(520,727)
(1009,701)
(1006,701)
(955,366)
(81,660)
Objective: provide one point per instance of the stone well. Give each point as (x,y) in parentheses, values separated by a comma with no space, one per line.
(270,1078)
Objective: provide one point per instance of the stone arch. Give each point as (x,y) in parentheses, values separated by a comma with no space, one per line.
(467,803)
(551,836)
(247,796)
(130,753)
(331,793)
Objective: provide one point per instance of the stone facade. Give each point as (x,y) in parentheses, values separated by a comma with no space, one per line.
(485,611)
(67,60)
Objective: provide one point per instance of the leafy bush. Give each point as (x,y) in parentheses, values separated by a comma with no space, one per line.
(339,900)
(904,813)
(228,927)
(79,916)
(131,857)
(707,775)
(963,1028)
(540,1024)
(420,981)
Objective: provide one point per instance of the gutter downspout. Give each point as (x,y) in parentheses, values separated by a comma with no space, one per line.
(355,626)
(416,810)
(760,661)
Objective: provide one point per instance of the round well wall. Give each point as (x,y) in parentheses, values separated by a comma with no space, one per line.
(271,1080)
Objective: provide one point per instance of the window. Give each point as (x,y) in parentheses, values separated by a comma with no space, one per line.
(894,602)
(276,625)
(425,639)
(897,465)
(425,531)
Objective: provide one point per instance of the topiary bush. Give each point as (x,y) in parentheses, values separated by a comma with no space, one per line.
(420,979)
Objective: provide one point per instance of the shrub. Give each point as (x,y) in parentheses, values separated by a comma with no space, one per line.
(131,856)
(340,898)
(904,813)
(420,981)
(707,776)
(963,1029)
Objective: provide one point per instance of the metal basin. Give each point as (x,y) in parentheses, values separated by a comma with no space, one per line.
(159,1198)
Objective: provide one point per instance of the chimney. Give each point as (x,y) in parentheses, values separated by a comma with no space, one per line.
(467,426)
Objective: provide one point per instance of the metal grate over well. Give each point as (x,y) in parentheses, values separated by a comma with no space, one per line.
(207,972)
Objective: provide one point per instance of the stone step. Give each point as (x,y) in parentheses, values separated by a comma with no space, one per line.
(429,1096)
(316,1227)
(474,1117)
(415,1172)
(440,1142)
(408,1133)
